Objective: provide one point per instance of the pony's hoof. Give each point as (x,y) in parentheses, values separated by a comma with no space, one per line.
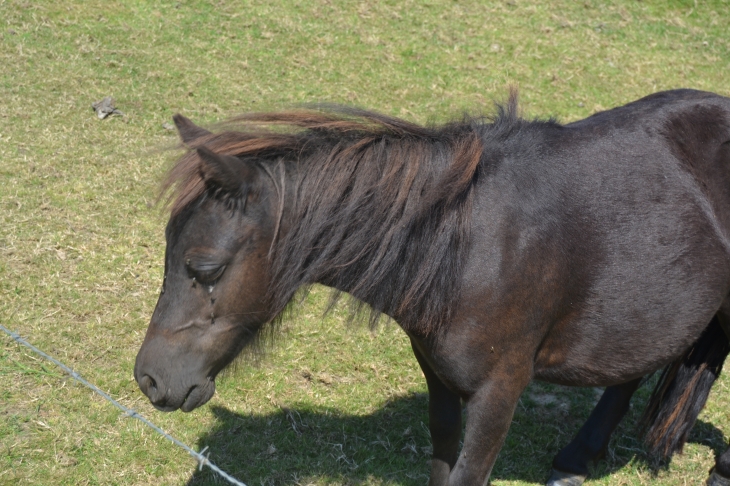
(560,478)
(717,480)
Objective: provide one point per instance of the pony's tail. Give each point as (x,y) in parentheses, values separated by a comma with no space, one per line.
(682,391)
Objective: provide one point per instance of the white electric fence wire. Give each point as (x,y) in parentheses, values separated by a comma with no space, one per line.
(198,456)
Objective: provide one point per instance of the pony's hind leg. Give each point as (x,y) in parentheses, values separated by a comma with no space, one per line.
(570,466)
(720,475)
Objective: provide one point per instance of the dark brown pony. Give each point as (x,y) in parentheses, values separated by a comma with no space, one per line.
(587,254)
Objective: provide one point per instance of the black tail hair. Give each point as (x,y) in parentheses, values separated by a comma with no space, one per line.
(681,392)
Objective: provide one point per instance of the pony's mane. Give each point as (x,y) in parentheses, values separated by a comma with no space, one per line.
(377,207)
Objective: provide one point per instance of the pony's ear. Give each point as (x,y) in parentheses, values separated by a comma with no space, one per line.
(226,172)
(188,130)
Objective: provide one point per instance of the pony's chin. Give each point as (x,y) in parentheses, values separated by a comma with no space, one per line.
(165,408)
(198,396)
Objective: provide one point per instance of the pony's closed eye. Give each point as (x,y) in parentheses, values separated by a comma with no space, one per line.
(207,274)
(206,267)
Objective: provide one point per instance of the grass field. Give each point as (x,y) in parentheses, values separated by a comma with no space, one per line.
(81,243)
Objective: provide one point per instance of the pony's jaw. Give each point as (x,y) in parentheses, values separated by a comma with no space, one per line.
(176,368)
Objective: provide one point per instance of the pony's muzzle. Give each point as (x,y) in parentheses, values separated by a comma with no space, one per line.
(167,396)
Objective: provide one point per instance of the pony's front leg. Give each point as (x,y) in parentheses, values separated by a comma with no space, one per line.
(444,422)
(489,413)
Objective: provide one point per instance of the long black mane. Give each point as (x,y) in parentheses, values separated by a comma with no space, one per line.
(379,208)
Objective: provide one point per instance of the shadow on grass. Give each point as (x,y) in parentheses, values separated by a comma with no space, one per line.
(302,445)
(295,445)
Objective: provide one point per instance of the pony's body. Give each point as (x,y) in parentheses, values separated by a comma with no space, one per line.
(589,254)
(581,257)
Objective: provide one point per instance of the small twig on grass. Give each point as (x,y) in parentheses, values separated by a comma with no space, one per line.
(105,108)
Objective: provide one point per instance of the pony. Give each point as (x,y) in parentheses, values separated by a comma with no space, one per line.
(592,253)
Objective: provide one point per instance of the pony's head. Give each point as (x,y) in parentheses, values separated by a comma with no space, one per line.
(214,297)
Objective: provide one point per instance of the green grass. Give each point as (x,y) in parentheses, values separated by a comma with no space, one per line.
(81,247)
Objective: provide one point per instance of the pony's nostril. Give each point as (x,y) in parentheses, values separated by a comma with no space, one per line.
(148,385)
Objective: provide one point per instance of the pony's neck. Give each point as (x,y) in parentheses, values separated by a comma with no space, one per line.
(369,218)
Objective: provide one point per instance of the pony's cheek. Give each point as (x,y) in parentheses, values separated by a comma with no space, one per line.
(239,304)
(247,286)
